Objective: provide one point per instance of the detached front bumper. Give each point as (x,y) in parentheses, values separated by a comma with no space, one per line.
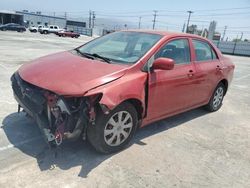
(33,101)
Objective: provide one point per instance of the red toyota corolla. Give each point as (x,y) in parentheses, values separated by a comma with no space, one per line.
(102,91)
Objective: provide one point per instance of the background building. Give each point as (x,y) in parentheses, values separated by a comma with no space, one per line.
(10,17)
(37,18)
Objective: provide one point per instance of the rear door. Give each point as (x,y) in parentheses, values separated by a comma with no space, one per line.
(208,69)
(171,91)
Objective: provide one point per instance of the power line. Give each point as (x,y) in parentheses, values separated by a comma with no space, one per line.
(213,10)
(223,14)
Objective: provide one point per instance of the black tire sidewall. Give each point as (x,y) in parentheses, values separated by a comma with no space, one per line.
(95,132)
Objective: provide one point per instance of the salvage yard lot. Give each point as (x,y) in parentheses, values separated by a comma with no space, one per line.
(193,149)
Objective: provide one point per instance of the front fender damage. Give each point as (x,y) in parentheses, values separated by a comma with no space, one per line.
(133,87)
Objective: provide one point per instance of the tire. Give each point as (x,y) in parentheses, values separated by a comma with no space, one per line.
(103,125)
(216,99)
(45,32)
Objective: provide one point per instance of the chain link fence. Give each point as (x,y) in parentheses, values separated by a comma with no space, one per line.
(234,48)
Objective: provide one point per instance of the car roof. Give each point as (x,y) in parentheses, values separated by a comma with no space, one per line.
(167,33)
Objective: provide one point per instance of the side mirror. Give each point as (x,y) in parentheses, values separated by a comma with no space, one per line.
(163,64)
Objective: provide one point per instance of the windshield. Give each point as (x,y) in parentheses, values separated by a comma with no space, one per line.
(121,47)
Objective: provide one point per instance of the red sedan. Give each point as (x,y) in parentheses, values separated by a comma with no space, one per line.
(68,34)
(102,91)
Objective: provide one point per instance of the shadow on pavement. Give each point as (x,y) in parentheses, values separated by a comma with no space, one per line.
(23,133)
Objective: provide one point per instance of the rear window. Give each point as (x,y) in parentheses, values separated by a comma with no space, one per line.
(203,51)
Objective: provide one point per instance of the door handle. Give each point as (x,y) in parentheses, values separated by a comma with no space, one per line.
(190,73)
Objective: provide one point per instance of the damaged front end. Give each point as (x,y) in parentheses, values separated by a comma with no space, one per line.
(58,117)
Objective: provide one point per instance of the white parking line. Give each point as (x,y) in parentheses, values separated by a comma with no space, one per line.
(19,144)
(9,67)
(242,77)
(4,67)
(8,102)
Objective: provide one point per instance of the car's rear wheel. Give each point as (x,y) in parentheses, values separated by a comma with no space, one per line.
(216,100)
(113,132)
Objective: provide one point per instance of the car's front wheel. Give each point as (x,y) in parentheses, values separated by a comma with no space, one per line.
(216,100)
(112,132)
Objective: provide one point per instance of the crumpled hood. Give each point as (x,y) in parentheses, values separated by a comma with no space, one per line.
(68,74)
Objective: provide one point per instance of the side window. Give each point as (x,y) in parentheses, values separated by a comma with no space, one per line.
(55,27)
(203,51)
(178,50)
(51,27)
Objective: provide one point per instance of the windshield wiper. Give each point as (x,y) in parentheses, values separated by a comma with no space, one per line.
(84,54)
(94,55)
(107,60)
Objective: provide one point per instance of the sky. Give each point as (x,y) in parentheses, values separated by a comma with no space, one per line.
(171,14)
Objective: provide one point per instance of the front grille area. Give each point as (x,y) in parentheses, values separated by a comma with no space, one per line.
(30,97)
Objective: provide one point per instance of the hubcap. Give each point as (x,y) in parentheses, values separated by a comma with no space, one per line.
(118,128)
(218,96)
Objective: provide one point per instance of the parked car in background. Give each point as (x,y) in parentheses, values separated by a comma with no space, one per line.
(12,27)
(40,27)
(50,29)
(108,87)
(68,34)
(35,29)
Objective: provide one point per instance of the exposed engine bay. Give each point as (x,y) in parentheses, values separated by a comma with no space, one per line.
(58,117)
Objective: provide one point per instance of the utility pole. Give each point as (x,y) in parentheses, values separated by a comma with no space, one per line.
(183,28)
(139,26)
(155,14)
(90,18)
(224,33)
(54,17)
(93,19)
(65,15)
(241,36)
(189,15)
(235,43)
